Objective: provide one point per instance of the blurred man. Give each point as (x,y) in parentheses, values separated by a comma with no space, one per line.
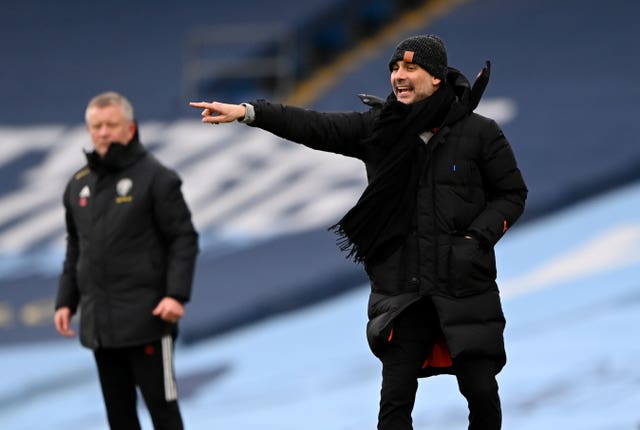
(131,251)
(444,187)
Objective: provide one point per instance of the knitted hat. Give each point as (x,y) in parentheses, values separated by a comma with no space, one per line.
(427,51)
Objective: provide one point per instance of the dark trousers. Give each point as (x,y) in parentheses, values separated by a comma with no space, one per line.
(414,333)
(149,367)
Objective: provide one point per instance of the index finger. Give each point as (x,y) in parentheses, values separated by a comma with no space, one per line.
(203,105)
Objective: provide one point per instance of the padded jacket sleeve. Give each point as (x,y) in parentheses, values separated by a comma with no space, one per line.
(173,218)
(506,191)
(68,294)
(337,132)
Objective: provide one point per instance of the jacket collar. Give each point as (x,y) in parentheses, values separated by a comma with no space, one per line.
(467,96)
(118,156)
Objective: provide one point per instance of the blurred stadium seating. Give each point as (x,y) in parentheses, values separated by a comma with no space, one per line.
(62,54)
(261,204)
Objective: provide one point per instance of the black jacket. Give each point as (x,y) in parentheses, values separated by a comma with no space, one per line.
(130,242)
(471,185)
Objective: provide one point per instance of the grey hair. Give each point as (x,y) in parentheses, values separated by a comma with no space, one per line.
(108,99)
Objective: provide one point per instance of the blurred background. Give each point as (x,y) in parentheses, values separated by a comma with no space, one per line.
(274,334)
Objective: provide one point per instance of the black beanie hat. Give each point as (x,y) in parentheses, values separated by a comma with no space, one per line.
(427,51)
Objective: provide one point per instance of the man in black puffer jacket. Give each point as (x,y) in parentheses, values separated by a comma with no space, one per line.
(444,187)
(131,252)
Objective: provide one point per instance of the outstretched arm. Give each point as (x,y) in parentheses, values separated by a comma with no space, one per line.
(216,112)
(338,132)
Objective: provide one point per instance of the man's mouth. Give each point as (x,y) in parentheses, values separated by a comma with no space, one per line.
(401,90)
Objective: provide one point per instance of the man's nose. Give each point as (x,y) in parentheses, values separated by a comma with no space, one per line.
(400,73)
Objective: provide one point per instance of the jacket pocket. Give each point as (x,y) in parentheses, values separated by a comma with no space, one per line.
(472,270)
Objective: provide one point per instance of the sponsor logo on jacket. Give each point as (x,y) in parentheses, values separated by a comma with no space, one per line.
(83,196)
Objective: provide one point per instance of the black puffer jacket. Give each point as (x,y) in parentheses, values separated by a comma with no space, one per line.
(470,186)
(130,242)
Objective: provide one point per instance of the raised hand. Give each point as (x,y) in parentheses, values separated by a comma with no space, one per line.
(216,112)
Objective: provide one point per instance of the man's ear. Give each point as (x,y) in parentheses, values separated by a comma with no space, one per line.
(132,129)
(436,81)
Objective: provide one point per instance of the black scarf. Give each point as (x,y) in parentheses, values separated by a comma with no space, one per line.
(379,222)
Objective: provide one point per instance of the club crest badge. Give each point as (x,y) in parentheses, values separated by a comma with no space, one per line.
(84,195)
(123,188)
